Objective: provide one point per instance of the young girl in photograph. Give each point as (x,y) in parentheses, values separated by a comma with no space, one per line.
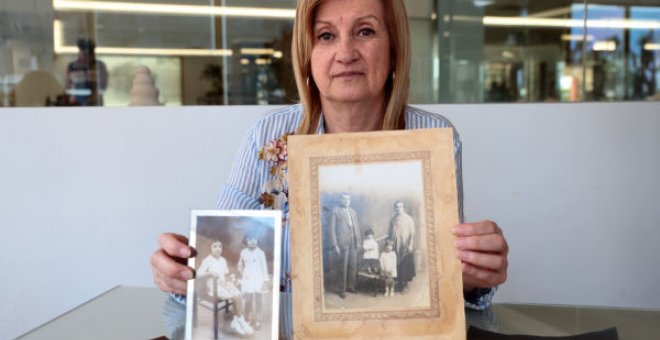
(215,266)
(370,252)
(388,267)
(254,280)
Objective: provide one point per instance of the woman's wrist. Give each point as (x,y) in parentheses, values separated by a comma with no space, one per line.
(475,293)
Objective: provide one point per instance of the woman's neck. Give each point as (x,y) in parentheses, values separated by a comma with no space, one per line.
(352,117)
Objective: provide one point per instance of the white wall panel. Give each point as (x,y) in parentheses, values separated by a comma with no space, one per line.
(85,192)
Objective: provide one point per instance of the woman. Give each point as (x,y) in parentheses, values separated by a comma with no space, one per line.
(351,60)
(402,235)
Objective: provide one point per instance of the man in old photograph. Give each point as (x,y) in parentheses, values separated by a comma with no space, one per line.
(402,234)
(345,238)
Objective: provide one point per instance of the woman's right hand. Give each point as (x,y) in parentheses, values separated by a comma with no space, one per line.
(168,263)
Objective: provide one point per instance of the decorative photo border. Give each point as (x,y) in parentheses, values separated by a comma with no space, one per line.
(323,314)
(442,316)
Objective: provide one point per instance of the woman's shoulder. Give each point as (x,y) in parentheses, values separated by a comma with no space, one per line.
(278,122)
(417,118)
(293,111)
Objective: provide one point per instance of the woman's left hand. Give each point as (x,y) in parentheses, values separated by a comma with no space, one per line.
(483,252)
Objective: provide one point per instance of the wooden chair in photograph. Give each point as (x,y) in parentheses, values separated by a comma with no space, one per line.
(210,301)
(370,282)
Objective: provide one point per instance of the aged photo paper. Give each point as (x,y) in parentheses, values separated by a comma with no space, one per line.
(372,213)
(235,293)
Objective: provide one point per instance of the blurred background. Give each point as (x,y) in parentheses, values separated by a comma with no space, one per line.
(569,171)
(230,52)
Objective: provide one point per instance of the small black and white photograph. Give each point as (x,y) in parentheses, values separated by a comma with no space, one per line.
(373,236)
(235,293)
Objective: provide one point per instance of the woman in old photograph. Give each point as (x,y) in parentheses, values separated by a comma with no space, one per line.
(402,234)
(351,60)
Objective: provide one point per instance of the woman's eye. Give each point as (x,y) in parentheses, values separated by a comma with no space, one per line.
(325,36)
(365,32)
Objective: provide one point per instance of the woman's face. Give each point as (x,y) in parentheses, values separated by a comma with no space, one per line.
(351,54)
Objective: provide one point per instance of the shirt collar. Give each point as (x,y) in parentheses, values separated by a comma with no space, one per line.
(320,129)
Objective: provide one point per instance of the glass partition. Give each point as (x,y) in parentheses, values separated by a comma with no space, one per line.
(226,52)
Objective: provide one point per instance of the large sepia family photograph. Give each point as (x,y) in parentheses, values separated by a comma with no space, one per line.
(374,212)
(234,294)
(373,236)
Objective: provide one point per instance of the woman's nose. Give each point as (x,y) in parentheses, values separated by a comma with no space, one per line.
(347,51)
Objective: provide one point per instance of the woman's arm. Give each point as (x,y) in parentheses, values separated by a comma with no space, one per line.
(168,262)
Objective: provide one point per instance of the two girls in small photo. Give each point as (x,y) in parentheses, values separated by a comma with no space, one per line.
(246,300)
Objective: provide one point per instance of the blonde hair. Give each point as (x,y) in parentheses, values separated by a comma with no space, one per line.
(396,86)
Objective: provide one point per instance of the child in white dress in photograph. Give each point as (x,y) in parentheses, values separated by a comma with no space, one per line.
(370,252)
(215,266)
(254,280)
(388,267)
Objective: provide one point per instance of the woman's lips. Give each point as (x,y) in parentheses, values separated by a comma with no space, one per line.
(348,74)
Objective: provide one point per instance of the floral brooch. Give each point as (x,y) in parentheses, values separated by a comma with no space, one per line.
(275,193)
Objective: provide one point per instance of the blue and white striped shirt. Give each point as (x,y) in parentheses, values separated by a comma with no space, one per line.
(250,174)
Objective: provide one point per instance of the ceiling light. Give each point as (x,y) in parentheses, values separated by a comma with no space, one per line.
(652,47)
(576,37)
(189,52)
(164,51)
(261,51)
(145,8)
(256,51)
(282,13)
(605,46)
(531,22)
(623,23)
(570,23)
(60,48)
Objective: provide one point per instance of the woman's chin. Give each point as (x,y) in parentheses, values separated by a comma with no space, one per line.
(349,95)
